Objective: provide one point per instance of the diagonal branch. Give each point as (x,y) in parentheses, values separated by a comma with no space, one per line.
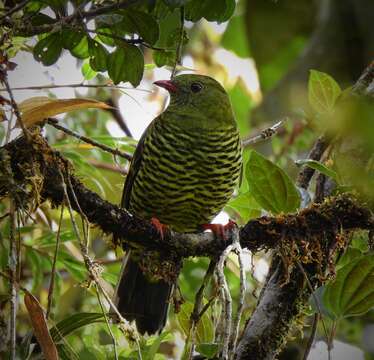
(342,212)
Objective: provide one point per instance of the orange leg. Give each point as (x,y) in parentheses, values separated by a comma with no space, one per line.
(161,228)
(220,230)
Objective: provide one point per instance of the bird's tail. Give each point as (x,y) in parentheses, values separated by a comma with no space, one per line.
(140,299)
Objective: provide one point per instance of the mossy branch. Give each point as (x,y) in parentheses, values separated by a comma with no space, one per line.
(336,214)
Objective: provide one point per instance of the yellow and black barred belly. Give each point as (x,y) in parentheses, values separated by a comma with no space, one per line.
(185,176)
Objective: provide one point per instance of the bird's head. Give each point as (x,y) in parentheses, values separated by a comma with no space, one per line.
(198,94)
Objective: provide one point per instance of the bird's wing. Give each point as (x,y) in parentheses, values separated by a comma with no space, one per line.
(134,168)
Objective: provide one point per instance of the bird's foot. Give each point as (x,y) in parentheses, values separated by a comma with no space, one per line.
(161,228)
(220,230)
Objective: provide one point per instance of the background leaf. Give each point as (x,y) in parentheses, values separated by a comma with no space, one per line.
(323,92)
(48,50)
(126,63)
(270,185)
(204,328)
(352,292)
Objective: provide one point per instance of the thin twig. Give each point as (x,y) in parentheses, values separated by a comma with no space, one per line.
(197,312)
(227,305)
(12,264)
(107,323)
(243,288)
(2,217)
(29,30)
(87,140)
(139,41)
(106,166)
(53,271)
(15,107)
(117,115)
(93,270)
(78,85)
(310,286)
(264,135)
(312,336)
(178,55)
(14,9)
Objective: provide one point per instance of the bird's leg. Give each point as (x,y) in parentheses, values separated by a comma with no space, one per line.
(161,228)
(220,230)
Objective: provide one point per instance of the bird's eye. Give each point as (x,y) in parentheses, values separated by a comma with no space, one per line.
(196,87)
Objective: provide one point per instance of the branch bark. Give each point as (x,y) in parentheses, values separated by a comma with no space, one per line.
(264,233)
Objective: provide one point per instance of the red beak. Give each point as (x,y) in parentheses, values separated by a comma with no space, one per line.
(167,84)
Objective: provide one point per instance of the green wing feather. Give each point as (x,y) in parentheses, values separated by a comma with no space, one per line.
(134,168)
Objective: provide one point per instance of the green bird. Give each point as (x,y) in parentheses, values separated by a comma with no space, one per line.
(184,170)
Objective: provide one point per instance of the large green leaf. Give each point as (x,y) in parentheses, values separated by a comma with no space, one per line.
(71,38)
(246,206)
(204,329)
(126,63)
(270,185)
(170,25)
(74,322)
(80,50)
(143,24)
(48,49)
(98,56)
(212,10)
(323,91)
(209,350)
(352,292)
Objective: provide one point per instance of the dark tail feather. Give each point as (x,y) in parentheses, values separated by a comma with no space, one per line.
(141,300)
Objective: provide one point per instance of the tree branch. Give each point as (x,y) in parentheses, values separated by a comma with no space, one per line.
(266,232)
(30,30)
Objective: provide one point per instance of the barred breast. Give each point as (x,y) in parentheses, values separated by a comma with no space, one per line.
(186,176)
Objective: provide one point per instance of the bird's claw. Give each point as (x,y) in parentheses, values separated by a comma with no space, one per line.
(161,228)
(219,230)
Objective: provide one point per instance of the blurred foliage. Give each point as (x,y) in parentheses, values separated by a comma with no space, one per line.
(129,45)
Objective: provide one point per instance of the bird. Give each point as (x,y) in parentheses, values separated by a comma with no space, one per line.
(184,170)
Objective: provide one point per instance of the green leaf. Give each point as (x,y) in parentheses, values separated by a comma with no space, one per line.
(48,50)
(71,38)
(36,267)
(270,185)
(155,342)
(67,326)
(41,19)
(143,24)
(105,39)
(235,37)
(126,63)
(163,57)
(109,19)
(98,56)
(316,165)
(204,329)
(87,71)
(175,3)
(212,10)
(66,353)
(169,30)
(80,50)
(246,206)
(352,292)
(209,350)
(323,91)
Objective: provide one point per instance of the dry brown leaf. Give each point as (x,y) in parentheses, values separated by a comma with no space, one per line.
(40,326)
(38,108)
